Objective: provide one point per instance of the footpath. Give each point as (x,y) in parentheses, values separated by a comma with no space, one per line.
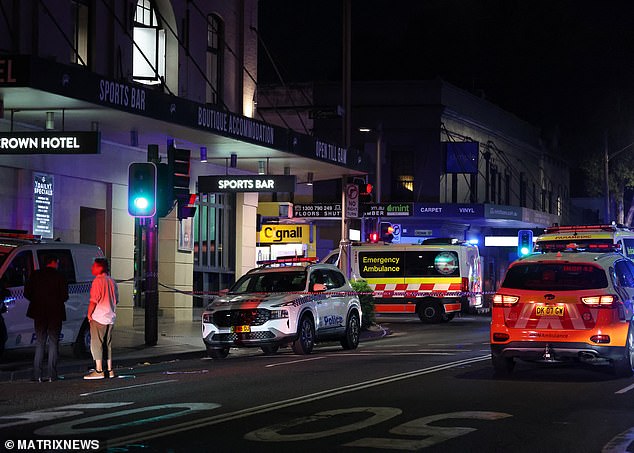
(176,340)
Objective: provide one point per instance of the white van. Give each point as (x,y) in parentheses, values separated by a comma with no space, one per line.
(21,254)
(436,280)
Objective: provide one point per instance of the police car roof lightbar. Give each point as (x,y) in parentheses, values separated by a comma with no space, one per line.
(289,260)
(19,234)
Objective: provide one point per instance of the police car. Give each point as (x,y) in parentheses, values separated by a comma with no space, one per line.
(289,301)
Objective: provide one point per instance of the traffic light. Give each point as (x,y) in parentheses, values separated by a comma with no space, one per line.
(178,168)
(142,189)
(365,192)
(373,238)
(387,232)
(524,242)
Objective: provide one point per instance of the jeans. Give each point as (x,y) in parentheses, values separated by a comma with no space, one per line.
(46,329)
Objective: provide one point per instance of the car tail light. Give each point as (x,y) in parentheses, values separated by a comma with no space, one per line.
(599,301)
(501,336)
(600,339)
(505,300)
(465,284)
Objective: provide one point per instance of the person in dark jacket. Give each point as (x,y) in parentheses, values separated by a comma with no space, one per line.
(47,292)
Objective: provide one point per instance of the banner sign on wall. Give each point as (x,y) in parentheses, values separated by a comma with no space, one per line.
(43,189)
(246,183)
(49,142)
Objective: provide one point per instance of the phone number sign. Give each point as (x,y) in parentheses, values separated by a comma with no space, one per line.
(319,210)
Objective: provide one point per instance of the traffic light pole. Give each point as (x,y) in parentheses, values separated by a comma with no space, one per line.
(151,282)
(344,245)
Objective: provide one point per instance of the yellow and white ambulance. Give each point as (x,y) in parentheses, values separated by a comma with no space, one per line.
(592,238)
(435,279)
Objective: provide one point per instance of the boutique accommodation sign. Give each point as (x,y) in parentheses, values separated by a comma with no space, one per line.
(43,190)
(49,143)
(246,183)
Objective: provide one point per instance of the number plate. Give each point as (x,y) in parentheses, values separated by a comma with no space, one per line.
(549,310)
(240,329)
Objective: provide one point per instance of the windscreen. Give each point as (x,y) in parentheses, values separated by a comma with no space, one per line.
(270,282)
(555,277)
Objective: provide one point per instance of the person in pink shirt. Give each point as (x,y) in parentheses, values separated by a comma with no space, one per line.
(104,296)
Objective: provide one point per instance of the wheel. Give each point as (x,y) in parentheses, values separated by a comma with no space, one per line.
(270,349)
(81,346)
(624,366)
(448,317)
(305,336)
(431,312)
(218,353)
(351,337)
(503,366)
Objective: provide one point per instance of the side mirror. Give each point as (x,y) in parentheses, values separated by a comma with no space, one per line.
(319,287)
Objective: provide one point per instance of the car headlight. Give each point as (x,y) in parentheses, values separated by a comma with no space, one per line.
(208,318)
(279,314)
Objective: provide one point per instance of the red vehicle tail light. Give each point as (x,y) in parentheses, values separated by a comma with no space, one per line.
(505,300)
(501,336)
(465,284)
(600,339)
(599,301)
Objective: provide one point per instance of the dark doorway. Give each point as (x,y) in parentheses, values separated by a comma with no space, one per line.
(92,227)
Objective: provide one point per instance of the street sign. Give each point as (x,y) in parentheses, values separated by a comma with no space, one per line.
(352,200)
(319,210)
(396,233)
(388,210)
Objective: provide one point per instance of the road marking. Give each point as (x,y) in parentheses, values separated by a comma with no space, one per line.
(128,387)
(626,389)
(270,407)
(293,361)
(388,353)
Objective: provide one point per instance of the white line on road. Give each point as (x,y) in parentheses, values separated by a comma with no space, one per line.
(626,389)
(269,407)
(294,361)
(384,353)
(128,387)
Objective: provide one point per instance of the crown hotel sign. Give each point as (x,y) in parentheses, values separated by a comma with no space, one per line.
(49,142)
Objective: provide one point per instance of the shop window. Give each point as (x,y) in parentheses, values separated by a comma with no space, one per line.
(148,55)
(215,53)
(406,182)
(81,15)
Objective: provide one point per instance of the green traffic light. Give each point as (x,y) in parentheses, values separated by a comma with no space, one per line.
(524,250)
(141,203)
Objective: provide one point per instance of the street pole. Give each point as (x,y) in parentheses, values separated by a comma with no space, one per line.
(344,245)
(151,282)
(379,153)
(606,186)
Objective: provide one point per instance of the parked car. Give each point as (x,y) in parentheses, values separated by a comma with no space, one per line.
(294,302)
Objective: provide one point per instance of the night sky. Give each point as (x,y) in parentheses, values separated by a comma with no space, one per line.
(565,66)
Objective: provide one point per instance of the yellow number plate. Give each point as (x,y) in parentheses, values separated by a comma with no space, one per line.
(240,329)
(542,310)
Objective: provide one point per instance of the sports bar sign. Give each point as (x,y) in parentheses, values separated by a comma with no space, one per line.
(246,183)
(49,143)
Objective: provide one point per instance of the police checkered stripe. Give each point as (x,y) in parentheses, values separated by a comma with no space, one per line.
(388,290)
(79,288)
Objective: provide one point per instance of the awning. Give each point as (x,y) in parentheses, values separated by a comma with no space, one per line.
(81,100)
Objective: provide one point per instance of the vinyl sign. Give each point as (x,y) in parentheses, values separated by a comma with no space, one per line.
(246,183)
(49,143)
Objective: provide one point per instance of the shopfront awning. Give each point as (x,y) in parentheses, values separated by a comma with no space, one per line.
(137,115)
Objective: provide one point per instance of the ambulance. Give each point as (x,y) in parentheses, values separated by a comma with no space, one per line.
(591,238)
(435,279)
